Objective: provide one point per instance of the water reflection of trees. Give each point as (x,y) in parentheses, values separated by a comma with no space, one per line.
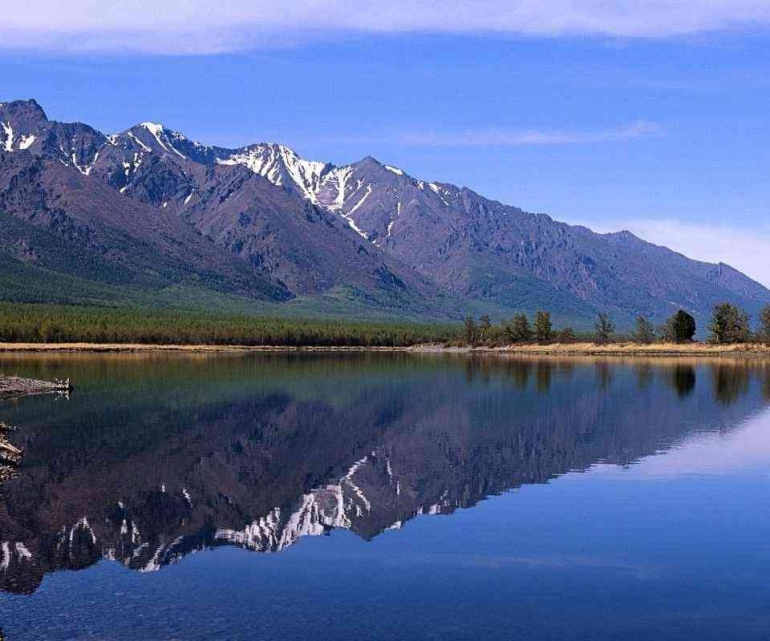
(543,376)
(730,381)
(644,375)
(766,386)
(683,379)
(603,375)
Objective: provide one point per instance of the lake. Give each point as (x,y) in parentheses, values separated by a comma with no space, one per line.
(387,496)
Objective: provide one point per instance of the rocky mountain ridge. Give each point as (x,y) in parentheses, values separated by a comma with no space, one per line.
(367,230)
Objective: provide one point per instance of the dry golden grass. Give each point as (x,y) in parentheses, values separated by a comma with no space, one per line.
(556,349)
(616,349)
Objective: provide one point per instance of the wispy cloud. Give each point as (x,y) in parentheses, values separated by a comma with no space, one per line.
(512,138)
(745,248)
(191,26)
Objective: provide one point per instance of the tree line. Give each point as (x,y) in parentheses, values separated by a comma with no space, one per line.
(729,325)
(70,324)
(62,323)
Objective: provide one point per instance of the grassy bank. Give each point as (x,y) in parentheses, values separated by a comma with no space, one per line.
(658,350)
(614,349)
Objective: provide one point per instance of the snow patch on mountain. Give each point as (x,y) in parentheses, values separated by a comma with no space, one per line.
(156,130)
(281,166)
(8,136)
(131,135)
(25,142)
(393,221)
(348,216)
(334,188)
(163,137)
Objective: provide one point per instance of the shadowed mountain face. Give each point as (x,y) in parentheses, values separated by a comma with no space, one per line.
(155,458)
(365,231)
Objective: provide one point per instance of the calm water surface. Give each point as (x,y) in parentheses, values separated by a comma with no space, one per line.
(378,496)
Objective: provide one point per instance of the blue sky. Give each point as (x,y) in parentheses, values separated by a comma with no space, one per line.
(645,118)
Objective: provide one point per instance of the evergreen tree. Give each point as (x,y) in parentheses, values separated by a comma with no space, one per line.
(764,325)
(644,332)
(471,331)
(485,325)
(729,324)
(680,327)
(543,327)
(518,329)
(604,328)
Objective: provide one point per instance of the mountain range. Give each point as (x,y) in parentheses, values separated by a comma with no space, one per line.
(148,216)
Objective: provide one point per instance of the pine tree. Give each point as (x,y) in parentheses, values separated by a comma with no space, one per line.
(471,331)
(543,327)
(645,332)
(604,328)
(485,324)
(518,329)
(729,325)
(680,327)
(764,325)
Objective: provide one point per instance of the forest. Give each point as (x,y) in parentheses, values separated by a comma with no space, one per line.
(21,323)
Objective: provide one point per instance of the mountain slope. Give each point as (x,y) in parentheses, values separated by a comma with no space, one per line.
(68,222)
(205,219)
(480,248)
(484,250)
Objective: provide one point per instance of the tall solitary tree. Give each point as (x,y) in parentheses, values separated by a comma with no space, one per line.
(543,327)
(729,324)
(518,329)
(680,327)
(644,332)
(764,325)
(604,328)
(485,324)
(471,331)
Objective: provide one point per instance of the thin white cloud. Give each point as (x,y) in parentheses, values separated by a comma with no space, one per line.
(508,138)
(197,26)
(745,248)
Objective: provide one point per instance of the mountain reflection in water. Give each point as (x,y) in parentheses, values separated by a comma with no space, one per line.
(157,457)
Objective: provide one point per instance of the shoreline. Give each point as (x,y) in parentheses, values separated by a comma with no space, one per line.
(749,350)
(667,350)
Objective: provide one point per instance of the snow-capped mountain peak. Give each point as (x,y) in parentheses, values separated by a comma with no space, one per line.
(152,136)
(282,166)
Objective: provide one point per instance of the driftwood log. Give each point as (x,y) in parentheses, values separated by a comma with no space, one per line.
(18,386)
(9,453)
(15,386)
